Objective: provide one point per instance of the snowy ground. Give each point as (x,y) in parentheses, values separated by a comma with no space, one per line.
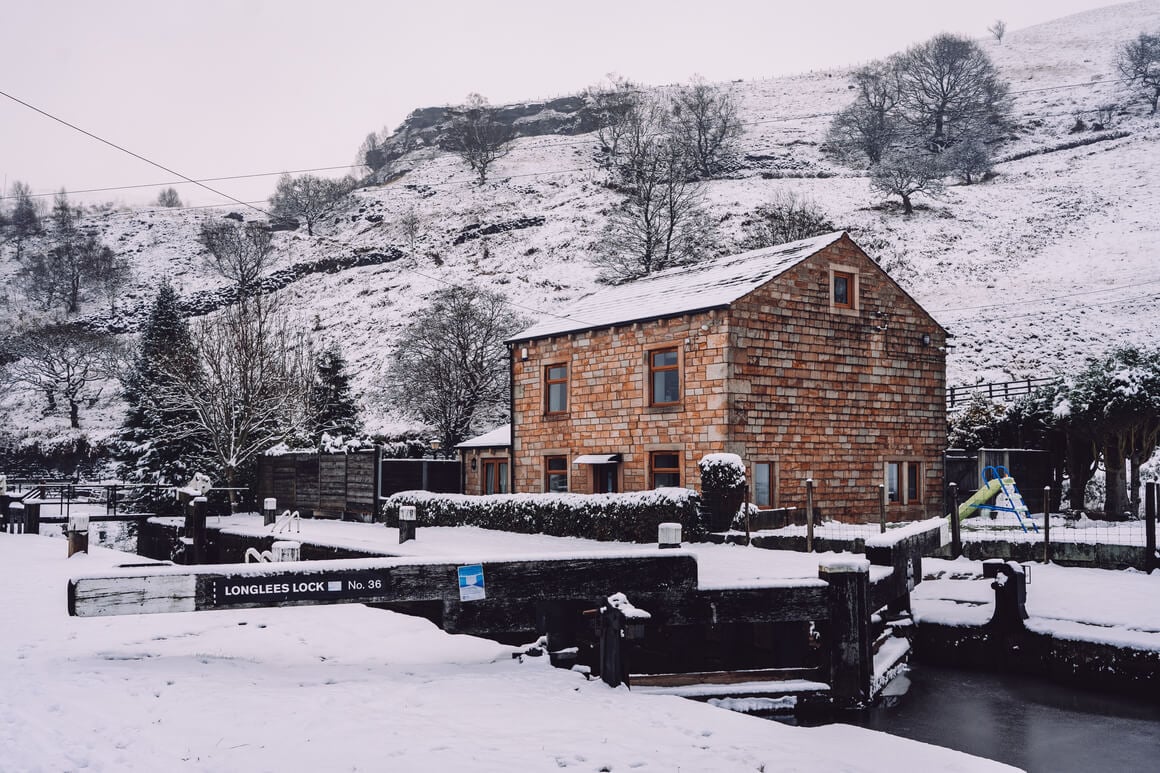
(1121,607)
(347,687)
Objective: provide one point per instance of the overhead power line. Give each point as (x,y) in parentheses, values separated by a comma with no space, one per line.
(138,156)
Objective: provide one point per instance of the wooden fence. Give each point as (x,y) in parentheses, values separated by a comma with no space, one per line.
(348,485)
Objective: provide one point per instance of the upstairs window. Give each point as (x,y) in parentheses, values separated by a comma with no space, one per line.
(665,468)
(556,389)
(664,370)
(844,288)
(556,474)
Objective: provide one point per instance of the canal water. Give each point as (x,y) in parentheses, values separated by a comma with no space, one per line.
(1022,721)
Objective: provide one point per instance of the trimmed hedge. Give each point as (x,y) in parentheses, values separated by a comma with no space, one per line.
(631,517)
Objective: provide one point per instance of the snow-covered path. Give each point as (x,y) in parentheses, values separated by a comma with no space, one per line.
(351,688)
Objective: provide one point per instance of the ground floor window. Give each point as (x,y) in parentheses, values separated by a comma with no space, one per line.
(556,474)
(903,482)
(495,476)
(764,484)
(665,468)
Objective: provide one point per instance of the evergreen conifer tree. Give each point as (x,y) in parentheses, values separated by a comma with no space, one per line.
(331,401)
(148,452)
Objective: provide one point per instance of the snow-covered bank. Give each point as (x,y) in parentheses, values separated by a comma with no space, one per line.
(347,687)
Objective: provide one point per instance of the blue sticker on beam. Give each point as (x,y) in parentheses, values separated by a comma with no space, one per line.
(471,587)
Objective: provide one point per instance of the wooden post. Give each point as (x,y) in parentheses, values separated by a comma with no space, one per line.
(851,661)
(956,527)
(1047,524)
(613,666)
(269,511)
(809,515)
(78,534)
(881,508)
(32,518)
(197,530)
(1150,561)
(407,517)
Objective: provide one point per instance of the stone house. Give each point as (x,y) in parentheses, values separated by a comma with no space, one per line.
(806,359)
(485,462)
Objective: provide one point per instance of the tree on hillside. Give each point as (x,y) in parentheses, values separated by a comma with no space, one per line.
(371,154)
(787,218)
(662,221)
(69,261)
(998,29)
(478,136)
(612,103)
(24,220)
(148,450)
(308,198)
(249,390)
(1139,64)
(908,174)
(867,128)
(332,405)
(410,225)
(451,365)
(168,198)
(950,90)
(62,361)
(105,271)
(239,253)
(706,121)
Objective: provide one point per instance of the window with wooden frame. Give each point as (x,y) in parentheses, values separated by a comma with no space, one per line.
(495,476)
(765,484)
(664,468)
(556,388)
(556,474)
(664,376)
(903,481)
(843,287)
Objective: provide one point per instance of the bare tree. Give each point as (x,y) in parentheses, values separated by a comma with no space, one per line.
(410,226)
(64,361)
(662,221)
(1139,63)
(908,174)
(57,274)
(787,218)
(309,198)
(24,221)
(705,118)
(107,271)
(998,29)
(949,89)
(249,389)
(168,198)
(451,364)
(612,102)
(239,253)
(872,124)
(477,136)
(970,159)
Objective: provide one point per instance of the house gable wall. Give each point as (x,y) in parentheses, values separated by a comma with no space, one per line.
(833,394)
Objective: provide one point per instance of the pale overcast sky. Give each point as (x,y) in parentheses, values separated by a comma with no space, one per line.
(225,87)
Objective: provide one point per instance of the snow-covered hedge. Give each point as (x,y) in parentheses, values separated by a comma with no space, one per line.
(721,472)
(631,517)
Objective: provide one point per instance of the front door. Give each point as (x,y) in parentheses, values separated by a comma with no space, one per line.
(604,478)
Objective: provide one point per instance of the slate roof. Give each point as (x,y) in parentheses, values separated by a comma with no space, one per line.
(675,291)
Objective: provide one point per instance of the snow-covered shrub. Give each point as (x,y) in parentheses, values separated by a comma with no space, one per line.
(629,517)
(721,472)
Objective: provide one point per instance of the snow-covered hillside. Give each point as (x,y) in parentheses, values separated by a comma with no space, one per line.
(1051,260)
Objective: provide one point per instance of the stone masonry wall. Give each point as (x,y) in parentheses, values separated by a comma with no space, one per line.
(608,406)
(831,393)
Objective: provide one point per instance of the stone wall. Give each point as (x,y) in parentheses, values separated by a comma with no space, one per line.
(832,394)
(608,407)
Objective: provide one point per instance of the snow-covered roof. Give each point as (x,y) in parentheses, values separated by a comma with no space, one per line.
(709,285)
(500,436)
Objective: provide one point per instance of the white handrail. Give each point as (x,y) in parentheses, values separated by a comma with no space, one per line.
(284,521)
(262,557)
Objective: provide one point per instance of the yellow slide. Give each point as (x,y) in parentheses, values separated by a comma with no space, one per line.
(980,497)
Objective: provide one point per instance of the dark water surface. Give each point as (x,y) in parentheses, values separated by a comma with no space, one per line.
(1022,721)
